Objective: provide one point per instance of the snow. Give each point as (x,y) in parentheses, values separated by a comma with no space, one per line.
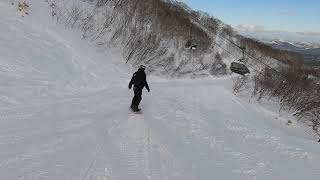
(64,114)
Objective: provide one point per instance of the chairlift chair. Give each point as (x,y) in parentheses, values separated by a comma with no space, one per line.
(191,44)
(240,67)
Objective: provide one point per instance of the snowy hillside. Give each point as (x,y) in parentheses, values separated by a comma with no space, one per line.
(294,45)
(310,51)
(64,114)
(157,33)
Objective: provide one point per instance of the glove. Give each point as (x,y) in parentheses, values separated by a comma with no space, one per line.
(148,90)
(129,87)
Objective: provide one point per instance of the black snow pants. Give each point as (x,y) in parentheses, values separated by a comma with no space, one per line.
(137,98)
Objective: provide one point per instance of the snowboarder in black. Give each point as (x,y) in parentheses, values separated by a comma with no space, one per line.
(139,81)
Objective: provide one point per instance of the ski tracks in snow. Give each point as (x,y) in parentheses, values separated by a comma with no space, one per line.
(95,136)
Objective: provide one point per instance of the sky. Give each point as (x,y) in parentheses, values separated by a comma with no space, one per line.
(265,16)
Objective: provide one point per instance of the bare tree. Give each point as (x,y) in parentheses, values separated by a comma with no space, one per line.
(74,15)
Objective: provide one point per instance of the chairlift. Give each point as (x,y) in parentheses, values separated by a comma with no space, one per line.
(191,44)
(240,66)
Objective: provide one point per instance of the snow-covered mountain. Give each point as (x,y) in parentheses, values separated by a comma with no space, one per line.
(64,115)
(294,45)
(307,45)
(311,51)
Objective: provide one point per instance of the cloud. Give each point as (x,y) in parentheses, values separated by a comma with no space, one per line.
(250,27)
(262,33)
(312,37)
(309,33)
(285,12)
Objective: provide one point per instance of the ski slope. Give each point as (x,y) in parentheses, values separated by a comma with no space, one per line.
(64,115)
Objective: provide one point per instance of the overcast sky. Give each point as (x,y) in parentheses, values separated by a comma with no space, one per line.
(263,16)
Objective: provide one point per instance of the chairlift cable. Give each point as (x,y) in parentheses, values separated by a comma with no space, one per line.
(234,55)
(249,55)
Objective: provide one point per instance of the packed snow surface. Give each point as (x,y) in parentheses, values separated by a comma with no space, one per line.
(64,115)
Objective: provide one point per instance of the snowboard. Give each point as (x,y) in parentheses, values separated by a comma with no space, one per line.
(136,112)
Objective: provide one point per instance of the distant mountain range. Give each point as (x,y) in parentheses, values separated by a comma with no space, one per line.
(310,51)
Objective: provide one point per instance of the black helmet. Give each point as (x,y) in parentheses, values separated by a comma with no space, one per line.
(142,67)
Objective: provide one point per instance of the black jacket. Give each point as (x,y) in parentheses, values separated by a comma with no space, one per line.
(139,80)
